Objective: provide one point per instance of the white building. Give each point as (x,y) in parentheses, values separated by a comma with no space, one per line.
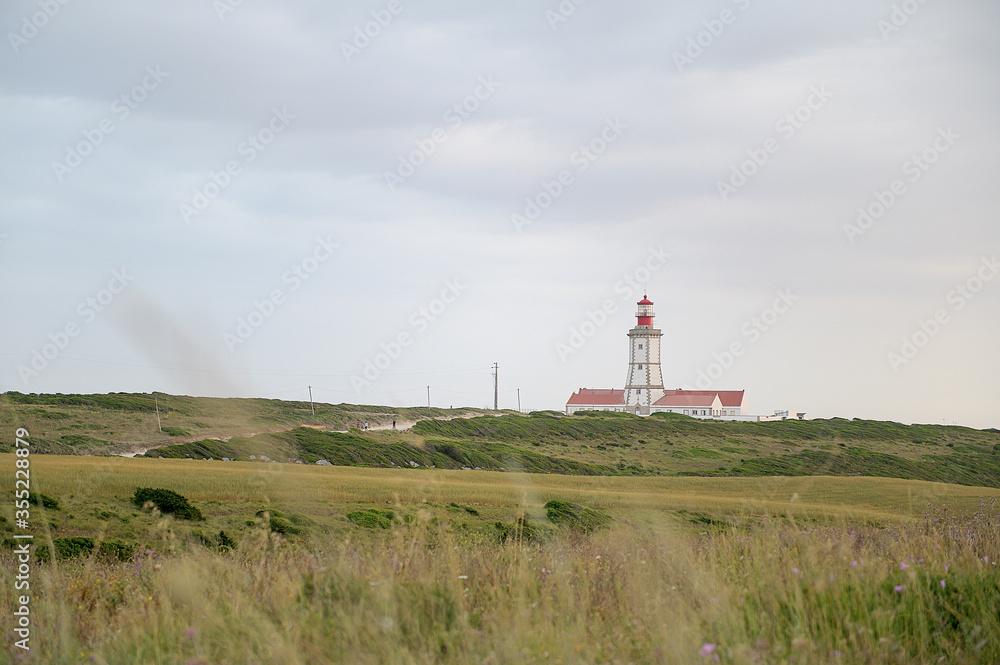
(644,393)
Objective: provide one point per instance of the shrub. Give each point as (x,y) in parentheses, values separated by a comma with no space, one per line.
(222,542)
(283,526)
(167,501)
(175,431)
(576,517)
(44,499)
(226,544)
(372,519)
(117,551)
(69,548)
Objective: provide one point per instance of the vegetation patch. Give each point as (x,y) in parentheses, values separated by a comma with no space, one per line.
(576,517)
(167,501)
(961,469)
(175,431)
(520,531)
(43,500)
(372,518)
(69,548)
(457,508)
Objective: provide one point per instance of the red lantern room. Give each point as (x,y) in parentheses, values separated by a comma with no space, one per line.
(645,314)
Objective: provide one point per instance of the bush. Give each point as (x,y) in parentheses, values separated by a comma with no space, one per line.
(372,519)
(283,526)
(575,516)
(117,551)
(226,544)
(222,542)
(167,501)
(175,431)
(69,548)
(44,499)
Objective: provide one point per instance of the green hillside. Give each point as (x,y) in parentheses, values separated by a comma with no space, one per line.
(587,443)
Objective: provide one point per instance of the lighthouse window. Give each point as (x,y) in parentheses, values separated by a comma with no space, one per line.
(640,366)
(640,345)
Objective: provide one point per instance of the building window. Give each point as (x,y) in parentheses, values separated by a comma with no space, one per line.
(686,412)
(640,366)
(640,345)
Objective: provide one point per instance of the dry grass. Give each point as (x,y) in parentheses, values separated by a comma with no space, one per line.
(805,570)
(770,593)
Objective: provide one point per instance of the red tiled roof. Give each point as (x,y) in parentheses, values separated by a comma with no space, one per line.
(729,398)
(597,397)
(686,399)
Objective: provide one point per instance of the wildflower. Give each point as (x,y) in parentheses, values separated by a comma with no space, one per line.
(986,559)
(835,654)
(190,633)
(942,583)
(795,571)
(707,649)
(854,564)
(946,567)
(900,588)
(902,565)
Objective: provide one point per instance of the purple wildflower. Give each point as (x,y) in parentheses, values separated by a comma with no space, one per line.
(707,649)
(942,583)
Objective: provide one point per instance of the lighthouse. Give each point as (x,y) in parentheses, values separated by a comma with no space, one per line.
(645,381)
(644,394)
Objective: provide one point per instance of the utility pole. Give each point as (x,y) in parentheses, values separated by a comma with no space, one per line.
(428,397)
(311,400)
(496,381)
(157,405)
(519,400)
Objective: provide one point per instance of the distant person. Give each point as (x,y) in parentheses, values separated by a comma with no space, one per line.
(366,424)
(394,424)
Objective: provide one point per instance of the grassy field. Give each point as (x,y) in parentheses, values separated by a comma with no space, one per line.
(361,565)
(497,538)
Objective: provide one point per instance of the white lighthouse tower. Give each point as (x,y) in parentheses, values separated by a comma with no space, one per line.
(645,381)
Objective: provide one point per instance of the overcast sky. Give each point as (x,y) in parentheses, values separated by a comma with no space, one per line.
(245,198)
